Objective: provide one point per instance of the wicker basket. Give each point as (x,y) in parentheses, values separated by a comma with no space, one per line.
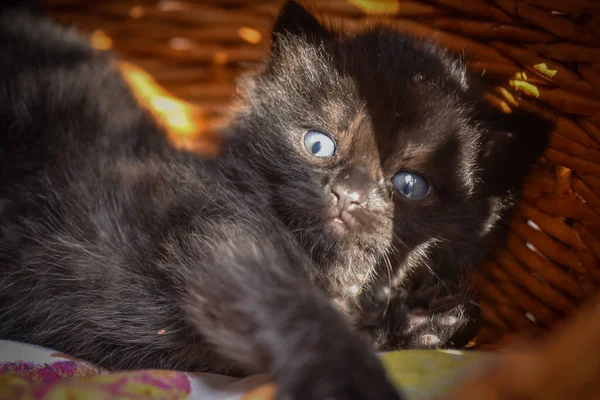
(542,50)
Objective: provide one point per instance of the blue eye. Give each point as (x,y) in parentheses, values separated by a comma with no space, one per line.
(410,185)
(319,144)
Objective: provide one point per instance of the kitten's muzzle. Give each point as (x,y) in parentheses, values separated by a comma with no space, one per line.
(349,193)
(351,188)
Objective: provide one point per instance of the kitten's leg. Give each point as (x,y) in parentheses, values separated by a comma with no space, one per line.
(450,323)
(442,314)
(246,298)
(202,290)
(427,318)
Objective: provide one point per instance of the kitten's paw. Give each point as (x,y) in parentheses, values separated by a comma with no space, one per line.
(348,373)
(441,327)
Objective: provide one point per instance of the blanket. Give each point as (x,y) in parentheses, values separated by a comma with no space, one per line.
(33,373)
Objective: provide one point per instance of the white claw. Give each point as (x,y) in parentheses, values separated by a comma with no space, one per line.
(429,340)
(448,320)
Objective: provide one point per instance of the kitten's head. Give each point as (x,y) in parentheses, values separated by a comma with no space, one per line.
(376,145)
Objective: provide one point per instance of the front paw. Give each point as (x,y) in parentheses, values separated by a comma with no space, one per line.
(342,372)
(441,327)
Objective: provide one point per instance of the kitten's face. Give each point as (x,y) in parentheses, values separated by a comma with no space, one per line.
(374,146)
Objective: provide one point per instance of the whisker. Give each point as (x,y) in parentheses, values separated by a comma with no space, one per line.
(389,293)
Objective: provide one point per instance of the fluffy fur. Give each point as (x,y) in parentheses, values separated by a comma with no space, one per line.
(108,235)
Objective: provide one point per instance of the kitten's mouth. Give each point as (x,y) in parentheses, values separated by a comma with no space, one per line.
(338,226)
(342,223)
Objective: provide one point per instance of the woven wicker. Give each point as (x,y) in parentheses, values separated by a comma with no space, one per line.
(542,55)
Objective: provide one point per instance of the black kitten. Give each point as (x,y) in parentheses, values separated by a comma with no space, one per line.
(362,171)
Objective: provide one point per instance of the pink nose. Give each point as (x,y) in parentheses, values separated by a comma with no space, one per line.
(350,188)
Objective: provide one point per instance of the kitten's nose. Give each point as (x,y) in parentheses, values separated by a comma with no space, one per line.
(350,187)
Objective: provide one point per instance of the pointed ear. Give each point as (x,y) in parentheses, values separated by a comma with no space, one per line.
(295,20)
(513,143)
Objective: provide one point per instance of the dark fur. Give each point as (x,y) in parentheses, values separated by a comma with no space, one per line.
(108,235)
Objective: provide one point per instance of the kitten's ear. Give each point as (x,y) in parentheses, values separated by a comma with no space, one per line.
(295,20)
(513,144)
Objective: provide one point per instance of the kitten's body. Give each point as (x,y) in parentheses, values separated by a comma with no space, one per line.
(108,235)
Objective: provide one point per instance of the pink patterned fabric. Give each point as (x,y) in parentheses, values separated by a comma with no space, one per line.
(33,373)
